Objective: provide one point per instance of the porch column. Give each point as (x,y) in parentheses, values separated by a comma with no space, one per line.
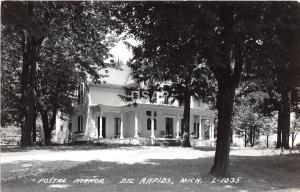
(100,124)
(177,127)
(152,128)
(121,127)
(200,127)
(211,129)
(90,126)
(136,128)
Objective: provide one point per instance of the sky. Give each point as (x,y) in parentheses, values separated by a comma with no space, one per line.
(124,54)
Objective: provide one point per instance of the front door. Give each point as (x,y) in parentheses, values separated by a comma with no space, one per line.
(104,127)
(169,127)
(98,126)
(196,130)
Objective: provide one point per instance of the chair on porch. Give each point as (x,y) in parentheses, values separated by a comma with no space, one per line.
(117,136)
(163,134)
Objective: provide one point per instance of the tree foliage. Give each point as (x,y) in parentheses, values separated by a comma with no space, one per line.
(61,43)
(279,64)
(224,36)
(166,57)
(249,121)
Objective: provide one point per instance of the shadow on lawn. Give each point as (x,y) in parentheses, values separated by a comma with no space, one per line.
(205,148)
(259,173)
(87,147)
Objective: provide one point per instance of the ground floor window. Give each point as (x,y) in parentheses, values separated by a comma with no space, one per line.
(117,126)
(196,130)
(80,124)
(169,127)
(149,123)
(155,123)
(206,129)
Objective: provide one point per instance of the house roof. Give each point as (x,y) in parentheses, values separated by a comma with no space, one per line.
(106,85)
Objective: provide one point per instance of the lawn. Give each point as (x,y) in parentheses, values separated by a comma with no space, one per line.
(144,168)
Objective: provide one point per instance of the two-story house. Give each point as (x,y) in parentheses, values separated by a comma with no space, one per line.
(102,115)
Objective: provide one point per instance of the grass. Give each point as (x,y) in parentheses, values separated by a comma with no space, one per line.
(260,170)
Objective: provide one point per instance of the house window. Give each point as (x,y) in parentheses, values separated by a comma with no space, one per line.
(117,126)
(155,114)
(80,124)
(61,128)
(149,124)
(148,113)
(80,93)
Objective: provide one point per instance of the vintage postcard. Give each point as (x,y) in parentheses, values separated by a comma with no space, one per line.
(150,96)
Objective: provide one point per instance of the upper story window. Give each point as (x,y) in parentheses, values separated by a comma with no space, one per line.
(80,93)
(148,113)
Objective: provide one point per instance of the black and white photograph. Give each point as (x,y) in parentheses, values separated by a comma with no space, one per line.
(142,96)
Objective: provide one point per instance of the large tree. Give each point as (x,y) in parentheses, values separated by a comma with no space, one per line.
(249,120)
(231,49)
(220,35)
(83,25)
(166,57)
(17,18)
(10,78)
(57,81)
(280,56)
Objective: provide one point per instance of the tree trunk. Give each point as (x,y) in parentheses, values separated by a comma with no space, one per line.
(279,122)
(245,138)
(293,140)
(231,137)
(225,98)
(53,119)
(251,138)
(30,44)
(46,127)
(286,104)
(27,95)
(34,129)
(186,119)
(48,119)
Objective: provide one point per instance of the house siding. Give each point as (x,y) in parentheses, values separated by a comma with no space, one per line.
(104,100)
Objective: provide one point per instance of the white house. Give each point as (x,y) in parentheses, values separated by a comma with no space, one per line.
(102,115)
